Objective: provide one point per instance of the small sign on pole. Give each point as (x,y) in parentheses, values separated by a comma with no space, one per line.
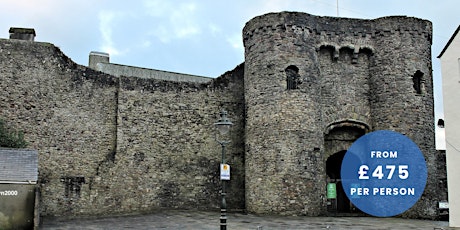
(224,172)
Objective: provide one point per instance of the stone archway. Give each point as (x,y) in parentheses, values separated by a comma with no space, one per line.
(341,204)
(338,138)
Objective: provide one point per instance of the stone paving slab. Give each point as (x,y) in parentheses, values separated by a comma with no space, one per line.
(173,219)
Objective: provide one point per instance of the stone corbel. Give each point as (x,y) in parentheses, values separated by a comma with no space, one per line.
(335,54)
(354,59)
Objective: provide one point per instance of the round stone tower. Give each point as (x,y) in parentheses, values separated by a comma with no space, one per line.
(283,129)
(401,95)
(313,85)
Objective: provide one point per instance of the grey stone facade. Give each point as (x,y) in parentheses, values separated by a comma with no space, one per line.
(112,145)
(308,88)
(356,76)
(122,70)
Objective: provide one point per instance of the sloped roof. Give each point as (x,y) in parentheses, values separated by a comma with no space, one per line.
(18,165)
(450,41)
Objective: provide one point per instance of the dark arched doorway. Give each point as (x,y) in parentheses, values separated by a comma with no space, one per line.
(341,203)
(338,138)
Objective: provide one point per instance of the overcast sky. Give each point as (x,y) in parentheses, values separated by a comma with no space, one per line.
(200,37)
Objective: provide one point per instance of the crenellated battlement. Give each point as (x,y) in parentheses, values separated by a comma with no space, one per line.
(328,28)
(334,24)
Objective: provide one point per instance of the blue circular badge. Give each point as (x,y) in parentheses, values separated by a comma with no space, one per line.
(383,173)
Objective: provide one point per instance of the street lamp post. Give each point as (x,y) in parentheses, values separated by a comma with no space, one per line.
(223,125)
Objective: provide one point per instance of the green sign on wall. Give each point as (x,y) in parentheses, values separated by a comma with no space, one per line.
(331,191)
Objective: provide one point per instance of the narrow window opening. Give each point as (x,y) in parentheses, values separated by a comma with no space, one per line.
(418,81)
(441,123)
(292,77)
(73,186)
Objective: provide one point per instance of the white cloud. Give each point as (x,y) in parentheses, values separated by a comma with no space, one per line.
(105,27)
(182,20)
(215,29)
(236,41)
(316,7)
(173,21)
(146,44)
(157,8)
(275,5)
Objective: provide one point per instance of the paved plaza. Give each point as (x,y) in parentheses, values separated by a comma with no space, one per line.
(174,219)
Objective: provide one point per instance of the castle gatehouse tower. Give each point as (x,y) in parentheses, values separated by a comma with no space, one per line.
(313,85)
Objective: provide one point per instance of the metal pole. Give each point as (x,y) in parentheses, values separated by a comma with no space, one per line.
(337,8)
(223,207)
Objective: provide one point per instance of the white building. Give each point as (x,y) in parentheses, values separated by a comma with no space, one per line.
(450,70)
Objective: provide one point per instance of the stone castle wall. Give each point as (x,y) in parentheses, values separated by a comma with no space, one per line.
(356,76)
(309,87)
(123,70)
(119,145)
